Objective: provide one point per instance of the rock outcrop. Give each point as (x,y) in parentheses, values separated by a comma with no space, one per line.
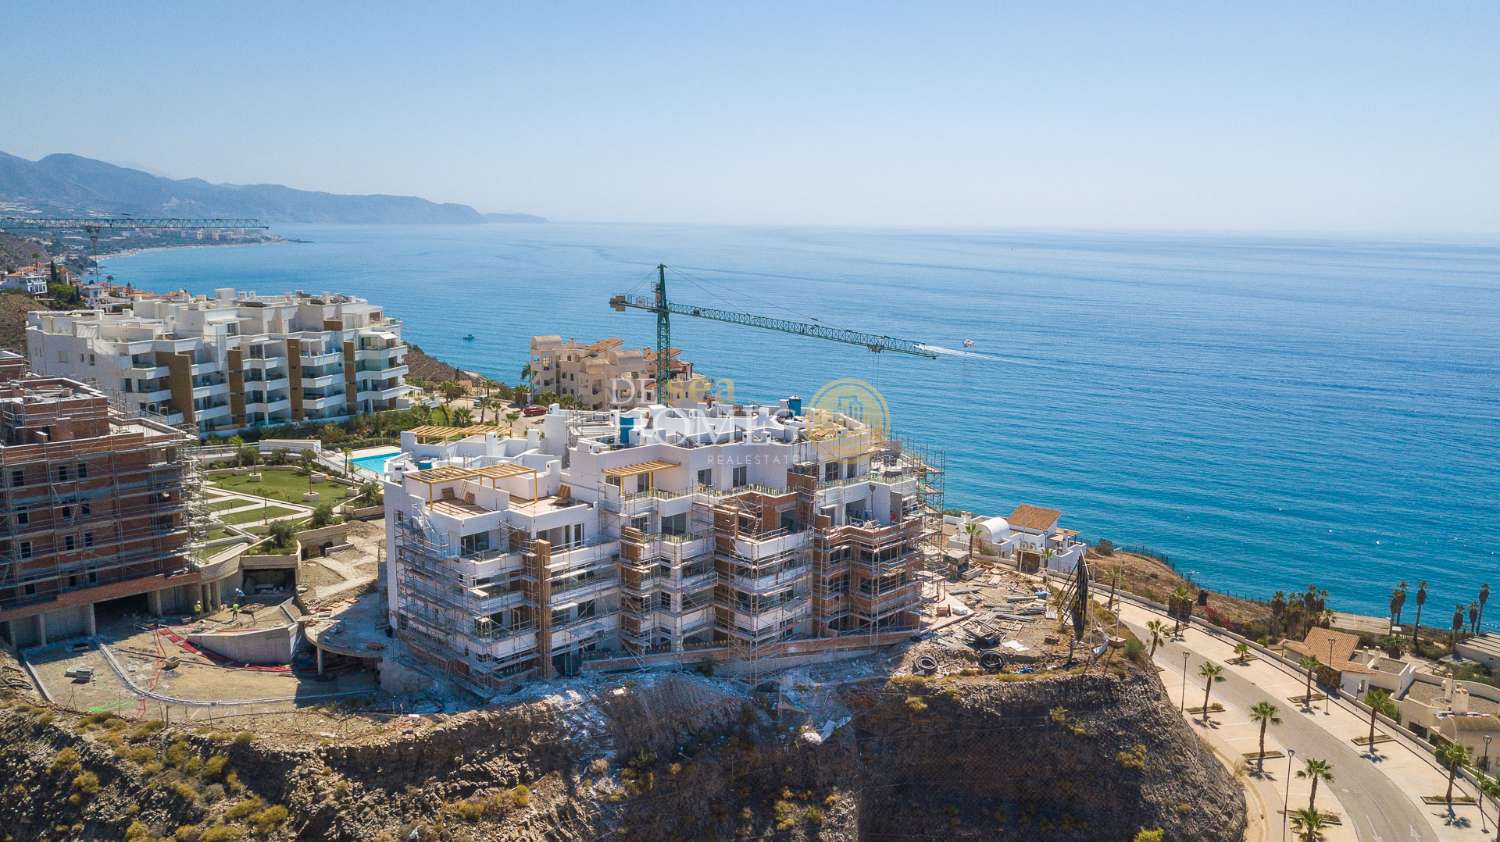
(1078,756)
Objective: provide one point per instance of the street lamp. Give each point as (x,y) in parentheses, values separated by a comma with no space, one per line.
(1486,763)
(1286,798)
(1183,705)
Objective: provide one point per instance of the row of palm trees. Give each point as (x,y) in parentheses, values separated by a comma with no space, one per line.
(1308,821)
(1474,613)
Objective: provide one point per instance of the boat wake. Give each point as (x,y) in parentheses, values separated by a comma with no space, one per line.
(954,352)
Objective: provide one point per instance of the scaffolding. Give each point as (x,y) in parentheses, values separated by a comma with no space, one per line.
(101,506)
(446,617)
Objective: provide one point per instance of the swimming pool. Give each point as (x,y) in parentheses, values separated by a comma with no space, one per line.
(374,463)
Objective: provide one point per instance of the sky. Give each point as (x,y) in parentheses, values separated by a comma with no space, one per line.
(1286,117)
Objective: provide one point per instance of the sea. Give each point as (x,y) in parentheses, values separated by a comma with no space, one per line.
(1266,412)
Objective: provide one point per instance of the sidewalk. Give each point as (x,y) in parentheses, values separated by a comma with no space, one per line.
(1406,765)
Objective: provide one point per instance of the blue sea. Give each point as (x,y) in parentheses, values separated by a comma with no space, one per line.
(1267,412)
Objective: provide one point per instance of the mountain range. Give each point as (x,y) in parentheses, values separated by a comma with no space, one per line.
(65,184)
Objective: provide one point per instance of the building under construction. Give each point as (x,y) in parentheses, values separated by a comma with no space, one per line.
(94,511)
(656,535)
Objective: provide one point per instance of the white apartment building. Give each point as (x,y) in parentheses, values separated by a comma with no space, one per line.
(655,533)
(231,361)
(605,374)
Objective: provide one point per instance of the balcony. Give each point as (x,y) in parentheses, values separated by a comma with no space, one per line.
(766,584)
(745,622)
(322,381)
(581,630)
(770,544)
(584,589)
(321,358)
(389,393)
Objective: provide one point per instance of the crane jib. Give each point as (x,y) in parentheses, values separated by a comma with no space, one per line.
(874,342)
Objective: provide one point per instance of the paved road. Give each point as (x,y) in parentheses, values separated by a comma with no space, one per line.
(1378,809)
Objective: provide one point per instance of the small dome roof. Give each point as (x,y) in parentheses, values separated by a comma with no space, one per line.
(998,527)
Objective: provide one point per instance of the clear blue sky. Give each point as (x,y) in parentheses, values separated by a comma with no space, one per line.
(1330,117)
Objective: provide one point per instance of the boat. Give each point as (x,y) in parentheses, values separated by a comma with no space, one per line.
(468,337)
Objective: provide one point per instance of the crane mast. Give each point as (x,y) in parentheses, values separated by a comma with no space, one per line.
(663,308)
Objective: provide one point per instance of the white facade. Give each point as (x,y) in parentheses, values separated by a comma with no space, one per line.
(666,530)
(227,362)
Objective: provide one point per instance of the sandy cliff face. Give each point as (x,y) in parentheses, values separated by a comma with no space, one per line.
(1095,756)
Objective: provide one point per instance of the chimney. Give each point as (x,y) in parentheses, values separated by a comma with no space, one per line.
(1461,701)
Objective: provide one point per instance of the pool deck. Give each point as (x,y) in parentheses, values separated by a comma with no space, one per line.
(355,455)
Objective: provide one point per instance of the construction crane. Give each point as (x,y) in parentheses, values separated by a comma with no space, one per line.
(92,225)
(663,310)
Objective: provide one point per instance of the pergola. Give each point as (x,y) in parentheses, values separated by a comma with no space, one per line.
(493,473)
(648,468)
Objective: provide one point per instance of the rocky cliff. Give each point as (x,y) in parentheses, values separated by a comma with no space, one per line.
(1098,755)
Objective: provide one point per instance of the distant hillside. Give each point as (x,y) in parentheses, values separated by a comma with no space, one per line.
(71,184)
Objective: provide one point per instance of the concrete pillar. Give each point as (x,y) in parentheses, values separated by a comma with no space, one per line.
(41,629)
(89,621)
(319,650)
(153,603)
(10,632)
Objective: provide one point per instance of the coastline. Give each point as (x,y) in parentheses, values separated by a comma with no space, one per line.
(131,252)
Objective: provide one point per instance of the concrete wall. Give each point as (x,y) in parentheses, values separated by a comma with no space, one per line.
(257,646)
(274,645)
(312,540)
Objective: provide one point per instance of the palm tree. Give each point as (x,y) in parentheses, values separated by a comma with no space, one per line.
(1489,787)
(1398,602)
(1242,653)
(1309,824)
(1158,630)
(1453,757)
(1456,627)
(1484,596)
(1265,714)
(1278,609)
(510,420)
(1211,672)
(1315,770)
(1181,603)
(1380,705)
(1421,600)
(971,529)
(1308,663)
(1473,618)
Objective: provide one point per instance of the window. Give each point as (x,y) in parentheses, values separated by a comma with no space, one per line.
(25,549)
(706,476)
(88,539)
(741,475)
(471,544)
(62,473)
(831,471)
(83,471)
(23,516)
(68,542)
(18,477)
(853,466)
(85,509)
(67,512)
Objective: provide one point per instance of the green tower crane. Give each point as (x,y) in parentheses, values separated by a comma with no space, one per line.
(664,309)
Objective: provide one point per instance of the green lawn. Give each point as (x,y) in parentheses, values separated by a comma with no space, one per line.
(206,553)
(257,513)
(278,485)
(220,505)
